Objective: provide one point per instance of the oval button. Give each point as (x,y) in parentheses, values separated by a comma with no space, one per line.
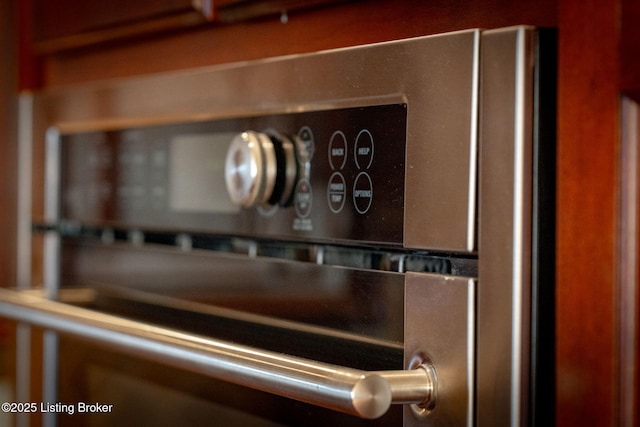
(363,150)
(303,199)
(336,192)
(337,150)
(305,135)
(362,192)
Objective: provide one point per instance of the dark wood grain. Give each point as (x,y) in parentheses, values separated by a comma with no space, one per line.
(342,25)
(588,146)
(77,23)
(8,144)
(630,48)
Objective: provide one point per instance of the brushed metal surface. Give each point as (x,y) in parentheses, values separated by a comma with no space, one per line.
(434,75)
(505,185)
(477,333)
(440,328)
(364,394)
(52,264)
(304,292)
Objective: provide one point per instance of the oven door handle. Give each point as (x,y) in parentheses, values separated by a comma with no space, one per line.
(361,393)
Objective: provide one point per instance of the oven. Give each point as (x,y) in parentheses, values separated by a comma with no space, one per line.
(360,236)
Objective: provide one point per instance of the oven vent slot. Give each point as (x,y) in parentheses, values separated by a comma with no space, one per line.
(359,257)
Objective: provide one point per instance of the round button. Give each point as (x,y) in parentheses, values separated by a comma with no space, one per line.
(305,136)
(363,150)
(337,150)
(336,192)
(362,192)
(303,198)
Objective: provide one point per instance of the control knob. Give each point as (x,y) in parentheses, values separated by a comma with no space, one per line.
(262,169)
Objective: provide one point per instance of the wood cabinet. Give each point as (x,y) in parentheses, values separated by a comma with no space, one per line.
(629,48)
(8,146)
(76,23)
(80,23)
(588,149)
(598,63)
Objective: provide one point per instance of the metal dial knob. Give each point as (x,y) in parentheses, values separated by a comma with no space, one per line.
(261,169)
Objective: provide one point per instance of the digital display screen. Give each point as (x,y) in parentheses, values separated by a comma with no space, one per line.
(172,176)
(196,173)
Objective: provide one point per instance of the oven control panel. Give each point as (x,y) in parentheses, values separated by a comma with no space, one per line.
(328,175)
(264,168)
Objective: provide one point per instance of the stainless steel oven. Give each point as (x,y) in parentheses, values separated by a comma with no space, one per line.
(361,236)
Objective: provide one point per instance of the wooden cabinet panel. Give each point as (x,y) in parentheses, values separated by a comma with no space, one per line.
(345,24)
(8,145)
(588,146)
(75,23)
(630,48)
(228,11)
(72,24)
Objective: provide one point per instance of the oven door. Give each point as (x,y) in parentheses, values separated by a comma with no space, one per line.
(164,336)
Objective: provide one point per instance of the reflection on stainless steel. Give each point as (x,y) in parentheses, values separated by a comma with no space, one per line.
(505,207)
(250,169)
(405,235)
(440,329)
(358,301)
(365,394)
(187,157)
(262,169)
(432,76)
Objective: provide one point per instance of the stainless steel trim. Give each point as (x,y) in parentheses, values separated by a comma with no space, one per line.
(628,253)
(23,370)
(506,135)
(50,375)
(440,329)
(423,169)
(52,260)
(473,150)
(23,247)
(360,393)
(52,174)
(435,79)
(25,170)
(521,228)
